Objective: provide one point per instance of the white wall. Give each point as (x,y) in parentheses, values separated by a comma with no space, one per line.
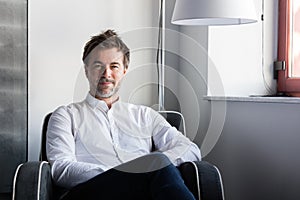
(58,31)
(243,55)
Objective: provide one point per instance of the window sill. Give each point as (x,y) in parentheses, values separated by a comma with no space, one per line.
(255,99)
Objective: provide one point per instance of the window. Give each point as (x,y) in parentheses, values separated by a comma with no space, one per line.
(289,47)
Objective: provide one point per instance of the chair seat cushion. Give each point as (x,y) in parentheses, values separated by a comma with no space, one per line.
(203,180)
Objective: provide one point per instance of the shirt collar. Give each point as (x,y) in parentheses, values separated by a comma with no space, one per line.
(96,103)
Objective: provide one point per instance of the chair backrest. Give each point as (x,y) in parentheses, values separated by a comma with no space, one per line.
(175,118)
(43,155)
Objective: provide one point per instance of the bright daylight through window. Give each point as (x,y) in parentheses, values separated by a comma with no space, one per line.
(295,39)
(289,47)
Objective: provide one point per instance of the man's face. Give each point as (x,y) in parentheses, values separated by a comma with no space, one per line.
(105,71)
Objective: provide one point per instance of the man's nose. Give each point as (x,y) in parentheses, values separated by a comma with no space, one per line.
(106,72)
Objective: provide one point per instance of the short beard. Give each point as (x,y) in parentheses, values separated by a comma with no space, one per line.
(113,91)
(101,94)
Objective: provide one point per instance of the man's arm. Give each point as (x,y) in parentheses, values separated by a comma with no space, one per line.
(66,170)
(173,143)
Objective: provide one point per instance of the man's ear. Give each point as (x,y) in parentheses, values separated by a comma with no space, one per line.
(125,70)
(85,70)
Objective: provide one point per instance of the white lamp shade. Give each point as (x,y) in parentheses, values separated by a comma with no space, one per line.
(213,12)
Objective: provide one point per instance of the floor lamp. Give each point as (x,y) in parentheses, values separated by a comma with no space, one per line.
(160,57)
(213,12)
(203,13)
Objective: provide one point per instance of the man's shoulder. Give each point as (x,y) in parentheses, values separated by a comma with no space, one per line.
(70,108)
(135,106)
(136,109)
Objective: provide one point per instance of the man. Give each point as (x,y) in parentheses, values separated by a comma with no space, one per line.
(101,148)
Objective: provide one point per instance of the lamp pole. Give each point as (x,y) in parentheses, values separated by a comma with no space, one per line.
(161,64)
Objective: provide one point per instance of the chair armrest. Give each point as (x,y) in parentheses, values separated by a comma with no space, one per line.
(32,181)
(203,180)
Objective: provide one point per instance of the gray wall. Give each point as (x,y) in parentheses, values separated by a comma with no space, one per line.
(258,151)
(13,90)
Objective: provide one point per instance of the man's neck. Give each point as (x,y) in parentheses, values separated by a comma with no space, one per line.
(109,101)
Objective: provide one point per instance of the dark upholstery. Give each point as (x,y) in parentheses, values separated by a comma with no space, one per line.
(43,155)
(203,180)
(175,119)
(33,179)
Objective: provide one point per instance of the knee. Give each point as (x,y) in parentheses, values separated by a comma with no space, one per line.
(147,163)
(160,158)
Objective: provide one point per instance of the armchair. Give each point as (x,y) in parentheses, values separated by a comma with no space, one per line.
(32,180)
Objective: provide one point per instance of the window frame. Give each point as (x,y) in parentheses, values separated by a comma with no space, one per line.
(285,84)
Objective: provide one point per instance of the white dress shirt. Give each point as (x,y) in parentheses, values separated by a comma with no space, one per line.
(87,138)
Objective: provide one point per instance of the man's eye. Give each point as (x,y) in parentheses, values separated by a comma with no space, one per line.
(115,66)
(98,66)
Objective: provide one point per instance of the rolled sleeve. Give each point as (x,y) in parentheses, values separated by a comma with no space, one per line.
(174,144)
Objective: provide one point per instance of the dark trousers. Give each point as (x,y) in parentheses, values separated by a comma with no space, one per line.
(150,177)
